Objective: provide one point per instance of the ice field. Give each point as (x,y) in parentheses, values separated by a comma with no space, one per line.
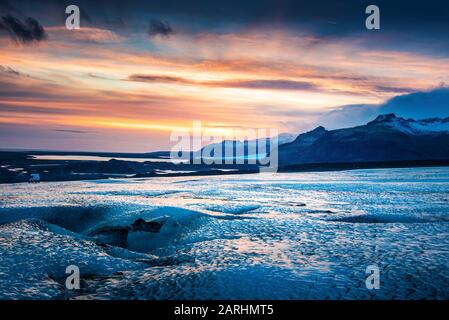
(258,236)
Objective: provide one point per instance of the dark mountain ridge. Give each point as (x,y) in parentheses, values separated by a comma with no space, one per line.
(387,138)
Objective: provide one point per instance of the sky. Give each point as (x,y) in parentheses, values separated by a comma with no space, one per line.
(138,70)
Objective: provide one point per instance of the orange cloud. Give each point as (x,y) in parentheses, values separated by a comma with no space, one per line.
(248,79)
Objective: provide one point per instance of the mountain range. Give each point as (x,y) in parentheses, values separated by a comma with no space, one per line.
(386,138)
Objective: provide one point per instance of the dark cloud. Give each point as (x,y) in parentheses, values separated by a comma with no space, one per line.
(413,25)
(26,31)
(393,89)
(71,131)
(277,84)
(9,71)
(20,90)
(96,76)
(160,28)
(115,22)
(158,78)
(37,109)
(419,105)
(6,6)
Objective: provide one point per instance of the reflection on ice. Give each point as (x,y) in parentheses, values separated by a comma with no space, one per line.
(292,236)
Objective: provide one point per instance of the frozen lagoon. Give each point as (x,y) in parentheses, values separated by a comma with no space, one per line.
(260,236)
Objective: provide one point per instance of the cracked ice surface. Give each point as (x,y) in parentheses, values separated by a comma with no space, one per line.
(268,236)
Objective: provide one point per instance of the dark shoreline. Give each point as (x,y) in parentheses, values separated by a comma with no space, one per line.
(16,167)
(78,170)
(363,165)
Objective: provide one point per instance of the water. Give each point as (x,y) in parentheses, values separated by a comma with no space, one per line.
(268,236)
(99,158)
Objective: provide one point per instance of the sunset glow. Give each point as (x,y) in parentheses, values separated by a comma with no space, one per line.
(100,79)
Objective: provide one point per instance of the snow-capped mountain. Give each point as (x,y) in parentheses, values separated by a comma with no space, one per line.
(250,147)
(386,138)
(410,126)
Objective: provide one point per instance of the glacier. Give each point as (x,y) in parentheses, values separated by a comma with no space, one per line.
(259,236)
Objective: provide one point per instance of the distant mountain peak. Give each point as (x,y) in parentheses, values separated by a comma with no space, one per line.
(411,126)
(310,137)
(318,129)
(386,138)
(386,118)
